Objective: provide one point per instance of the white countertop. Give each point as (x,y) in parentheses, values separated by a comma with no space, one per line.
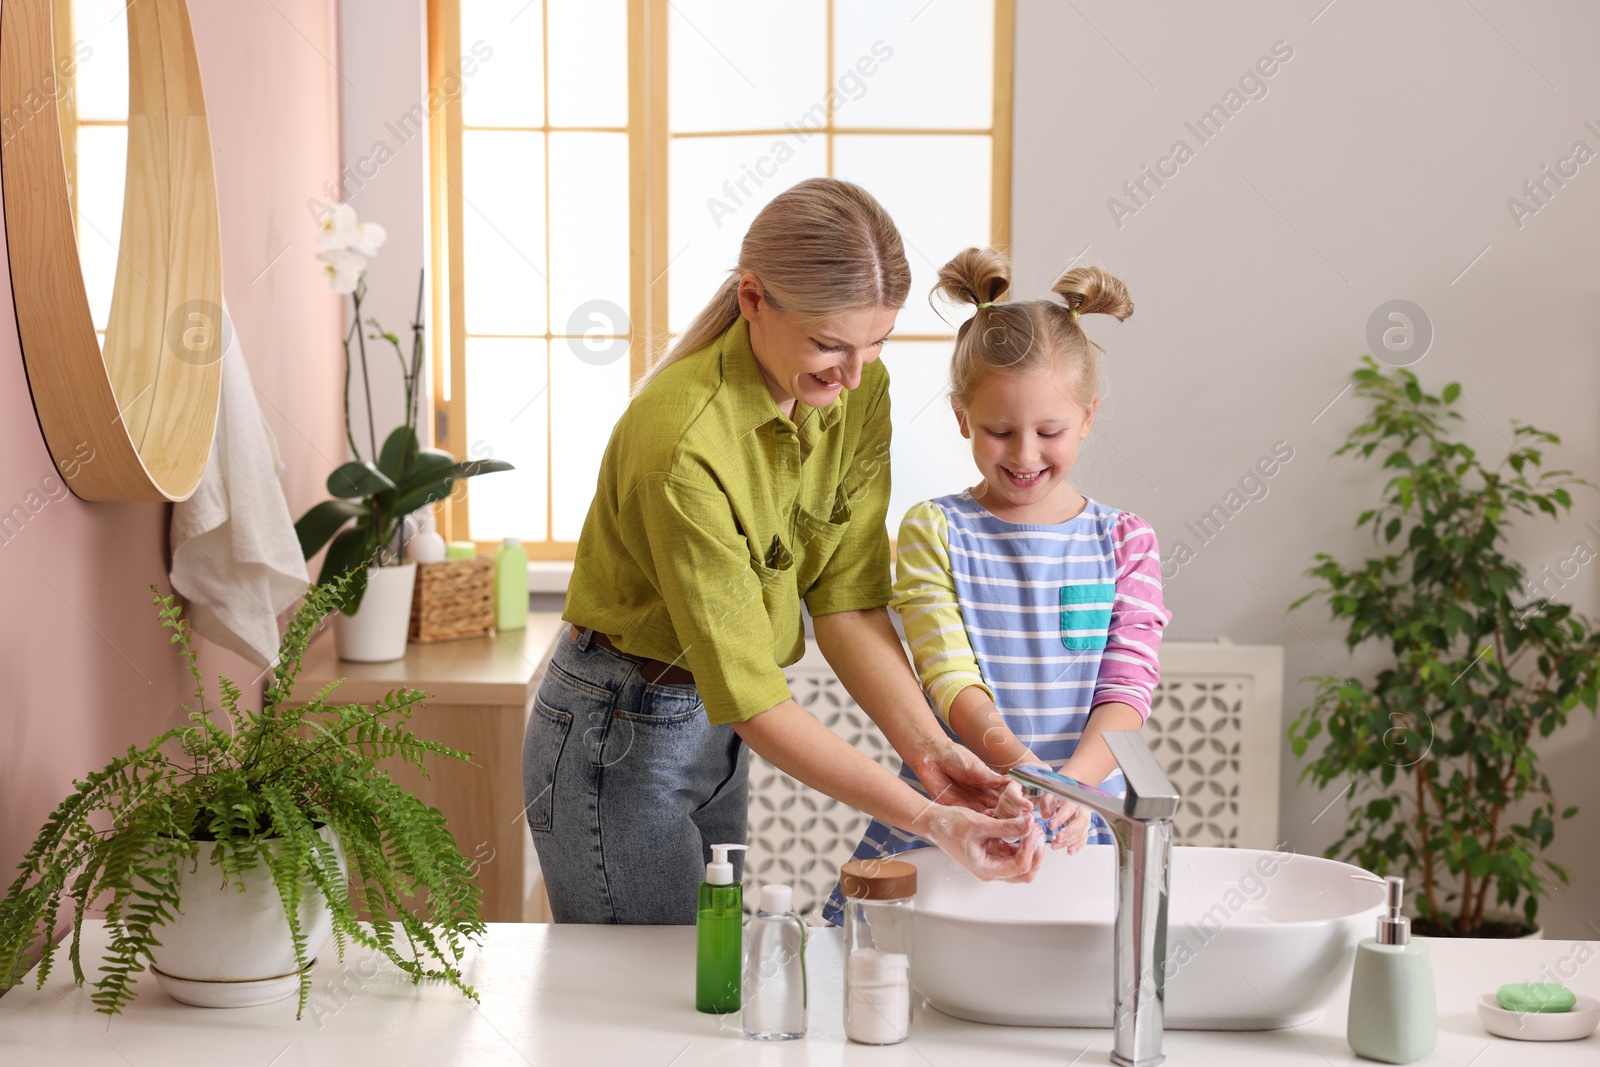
(625,995)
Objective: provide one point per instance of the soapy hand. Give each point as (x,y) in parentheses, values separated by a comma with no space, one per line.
(1008,850)
(1067,822)
(953,774)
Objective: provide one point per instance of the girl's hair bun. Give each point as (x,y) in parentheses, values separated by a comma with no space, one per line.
(974,276)
(1091,291)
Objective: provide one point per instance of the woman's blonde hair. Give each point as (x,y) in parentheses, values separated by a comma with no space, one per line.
(1028,333)
(821,247)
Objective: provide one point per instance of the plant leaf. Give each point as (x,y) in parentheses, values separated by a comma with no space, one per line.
(357,478)
(323,521)
(349,552)
(392,459)
(425,491)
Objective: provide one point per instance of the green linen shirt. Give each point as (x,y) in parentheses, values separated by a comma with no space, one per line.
(715,515)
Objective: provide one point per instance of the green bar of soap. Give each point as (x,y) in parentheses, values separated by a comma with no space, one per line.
(1536,996)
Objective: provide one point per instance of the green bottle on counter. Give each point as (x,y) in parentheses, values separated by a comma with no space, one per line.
(511,586)
(719,926)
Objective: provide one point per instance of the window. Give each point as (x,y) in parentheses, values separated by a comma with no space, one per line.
(92,102)
(596,174)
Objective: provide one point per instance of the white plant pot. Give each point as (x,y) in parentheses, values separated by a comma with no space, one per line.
(229,949)
(377,632)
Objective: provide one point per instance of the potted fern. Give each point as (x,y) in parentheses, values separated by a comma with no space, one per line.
(1438,748)
(226,852)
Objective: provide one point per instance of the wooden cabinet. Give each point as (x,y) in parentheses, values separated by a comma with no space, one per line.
(482,689)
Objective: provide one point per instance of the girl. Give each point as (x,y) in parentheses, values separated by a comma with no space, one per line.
(1033,613)
(749,473)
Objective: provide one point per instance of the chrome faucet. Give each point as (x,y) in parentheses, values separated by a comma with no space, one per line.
(1142,824)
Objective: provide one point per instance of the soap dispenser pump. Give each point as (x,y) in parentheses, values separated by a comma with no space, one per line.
(719,924)
(1394,1017)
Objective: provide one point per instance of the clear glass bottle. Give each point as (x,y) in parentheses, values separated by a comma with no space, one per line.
(877,943)
(775,969)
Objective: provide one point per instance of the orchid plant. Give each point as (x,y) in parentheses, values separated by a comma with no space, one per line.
(372,495)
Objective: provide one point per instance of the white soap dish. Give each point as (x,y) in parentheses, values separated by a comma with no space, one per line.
(1573,1025)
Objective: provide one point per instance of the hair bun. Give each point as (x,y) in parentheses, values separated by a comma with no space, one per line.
(974,276)
(1091,291)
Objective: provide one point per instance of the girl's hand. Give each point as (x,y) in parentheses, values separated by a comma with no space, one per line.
(1068,822)
(993,849)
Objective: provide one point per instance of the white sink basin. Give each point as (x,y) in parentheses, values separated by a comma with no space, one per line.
(1255,940)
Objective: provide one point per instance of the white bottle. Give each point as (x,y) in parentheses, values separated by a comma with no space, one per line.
(775,969)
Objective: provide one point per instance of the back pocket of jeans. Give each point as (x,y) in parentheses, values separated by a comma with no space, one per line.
(1086,615)
(541,755)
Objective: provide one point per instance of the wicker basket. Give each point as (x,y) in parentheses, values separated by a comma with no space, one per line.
(453,600)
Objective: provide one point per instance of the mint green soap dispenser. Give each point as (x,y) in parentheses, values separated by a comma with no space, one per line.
(719,926)
(1394,1017)
(511,586)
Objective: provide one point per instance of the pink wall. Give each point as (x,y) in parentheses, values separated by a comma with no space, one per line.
(85,669)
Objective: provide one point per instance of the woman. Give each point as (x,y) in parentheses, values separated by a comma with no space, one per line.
(749,473)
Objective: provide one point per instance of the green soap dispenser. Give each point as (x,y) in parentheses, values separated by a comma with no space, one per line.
(1393,1015)
(718,929)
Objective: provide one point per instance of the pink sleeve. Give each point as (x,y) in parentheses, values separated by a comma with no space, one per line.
(1130,667)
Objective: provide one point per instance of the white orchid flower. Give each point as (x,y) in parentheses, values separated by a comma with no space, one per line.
(338,229)
(343,269)
(369,236)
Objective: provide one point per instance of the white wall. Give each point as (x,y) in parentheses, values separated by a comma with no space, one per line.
(383,65)
(1377,166)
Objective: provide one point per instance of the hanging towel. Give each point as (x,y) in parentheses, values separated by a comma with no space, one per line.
(235,556)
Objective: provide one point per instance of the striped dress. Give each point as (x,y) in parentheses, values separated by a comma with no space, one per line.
(1049,620)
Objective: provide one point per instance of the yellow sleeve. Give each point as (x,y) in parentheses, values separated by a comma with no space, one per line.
(925,597)
(683,537)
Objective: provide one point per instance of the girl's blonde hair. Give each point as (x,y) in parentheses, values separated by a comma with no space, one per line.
(821,247)
(1028,333)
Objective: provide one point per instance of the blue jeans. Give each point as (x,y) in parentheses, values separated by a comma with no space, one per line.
(627,787)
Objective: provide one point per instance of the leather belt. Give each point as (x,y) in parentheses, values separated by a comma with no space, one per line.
(654,671)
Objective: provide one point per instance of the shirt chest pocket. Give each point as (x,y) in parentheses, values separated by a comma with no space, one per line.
(769,582)
(817,537)
(1086,615)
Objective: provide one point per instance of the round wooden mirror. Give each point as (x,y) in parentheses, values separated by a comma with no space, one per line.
(128,404)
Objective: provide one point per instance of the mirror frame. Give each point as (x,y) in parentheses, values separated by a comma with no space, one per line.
(136,421)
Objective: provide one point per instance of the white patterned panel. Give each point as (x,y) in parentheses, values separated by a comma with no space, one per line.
(1196,730)
(797,835)
(1215,725)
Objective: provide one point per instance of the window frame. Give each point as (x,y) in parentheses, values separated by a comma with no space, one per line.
(649,140)
(64,29)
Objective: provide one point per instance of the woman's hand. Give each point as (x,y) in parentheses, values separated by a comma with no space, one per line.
(1008,850)
(953,775)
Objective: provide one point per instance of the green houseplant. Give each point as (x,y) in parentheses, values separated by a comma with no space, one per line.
(260,786)
(1445,784)
(372,496)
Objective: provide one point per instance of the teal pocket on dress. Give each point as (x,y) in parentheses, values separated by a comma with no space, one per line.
(1086,615)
